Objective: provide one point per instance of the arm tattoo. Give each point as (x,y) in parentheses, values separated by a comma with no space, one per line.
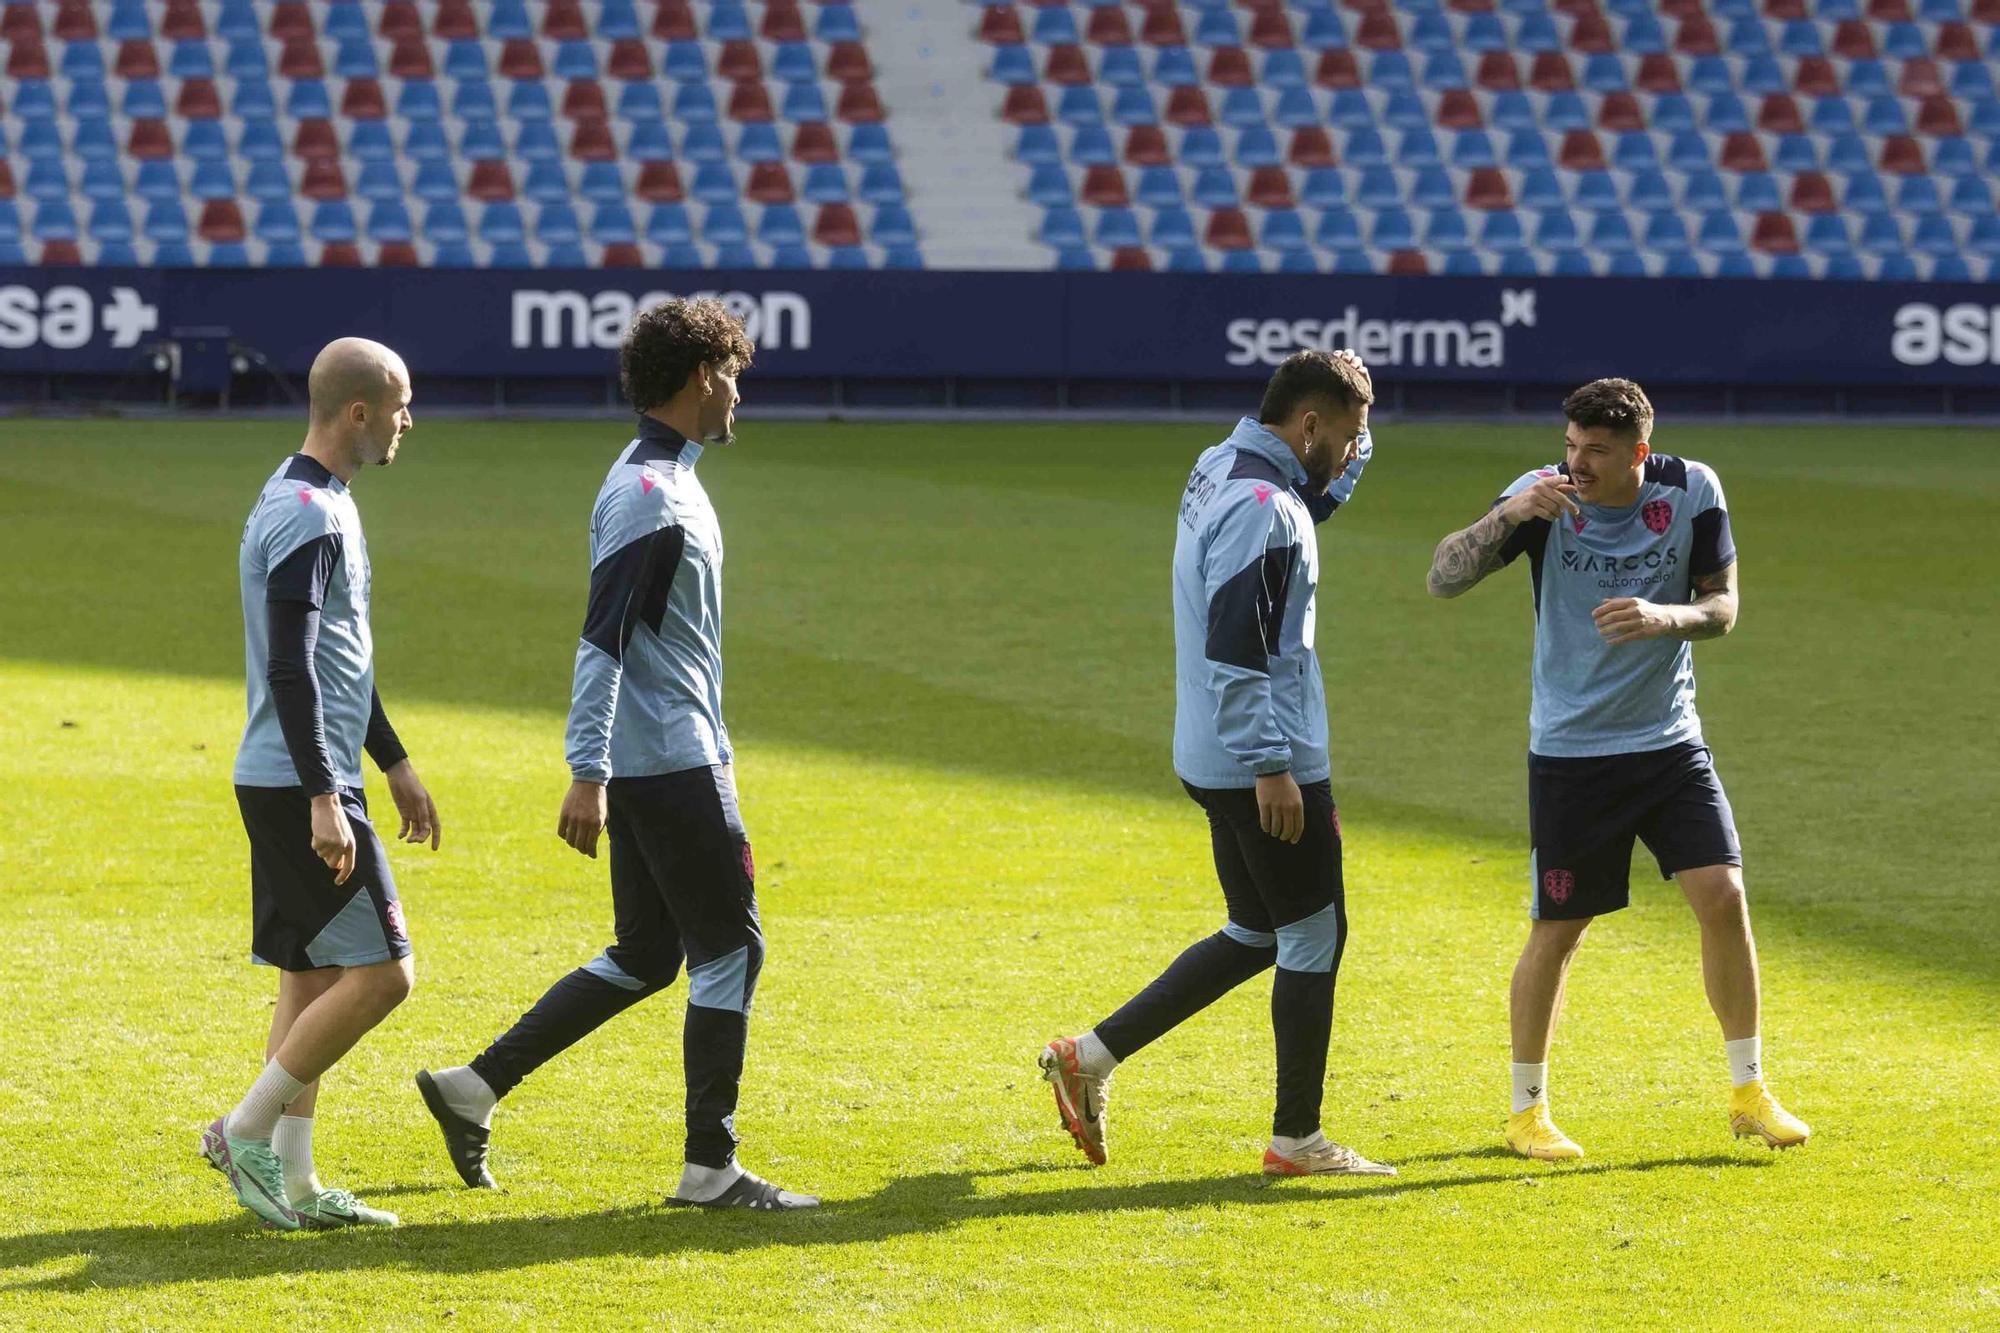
(1467,556)
(1712,612)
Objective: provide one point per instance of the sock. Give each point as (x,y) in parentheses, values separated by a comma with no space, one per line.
(1093,1057)
(293,1142)
(256,1116)
(702,1183)
(1287,1145)
(1531,1086)
(1746,1060)
(466,1094)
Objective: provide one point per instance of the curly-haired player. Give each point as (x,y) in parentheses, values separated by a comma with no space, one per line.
(651,764)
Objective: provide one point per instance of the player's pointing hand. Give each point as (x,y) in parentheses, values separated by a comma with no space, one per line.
(584,814)
(1550,498)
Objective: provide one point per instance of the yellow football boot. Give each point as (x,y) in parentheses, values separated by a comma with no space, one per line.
(1755,1114)
(1532,1134)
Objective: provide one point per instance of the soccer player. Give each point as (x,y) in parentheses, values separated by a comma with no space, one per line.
(1632,560)
(651,760)
(1250,747)
(324,904)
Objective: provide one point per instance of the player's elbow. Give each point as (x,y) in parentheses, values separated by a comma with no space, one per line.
(1439,586)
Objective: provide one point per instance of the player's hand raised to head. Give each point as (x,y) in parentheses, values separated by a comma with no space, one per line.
(584,814)
(333,836)
(414,804)
(1550,497)
(1281,807)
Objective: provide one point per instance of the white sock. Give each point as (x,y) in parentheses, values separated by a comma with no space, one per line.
(1287,1146)
(702,1183)
(256,1116)
(293,1142)
(1531,1086)
(466,1094)
(1093,1057)
(1746,1060)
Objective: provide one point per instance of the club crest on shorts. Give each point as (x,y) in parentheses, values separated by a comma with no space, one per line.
(1557,884)
(394,912)
(1658,514)
(749,863)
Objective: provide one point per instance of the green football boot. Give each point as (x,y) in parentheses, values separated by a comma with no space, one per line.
(326,1210)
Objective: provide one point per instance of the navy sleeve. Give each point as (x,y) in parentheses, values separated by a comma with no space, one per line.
(1714,544)
(1320,506)
(630,587)
(1529,538)
(381,742)
(293,630)
(303,575)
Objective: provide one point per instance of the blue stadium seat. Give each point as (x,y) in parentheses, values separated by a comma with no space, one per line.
(1012,64)
(1537,33)
(128,21)
(267,180)
(1037,145)
(705,144)
(157,178)
(1323,30)
(1092,147)
(238,18)
(1446,230)
(757,141)
(1611,232)
(110,221)
(695,102)
(1971,195)
(1352,259)
(1366,149)
(1649,191)
(1719,233)
(259,140)
(1848,153)
(102,179)
(228,254)
(618,20)
(1863,193)
(1680,264)
(1688,151)
(166,220)
(791,257)
(1338,229)
(1405,111)
(1827,234)
(1625,264)
(1881,234)
(546,183)
(1186,259)
(1173,228)
(277,222)
(714,183)
(535,140)
(1443,71)
(1174,67)
(529,100)
(1390,70)
(1726,114)
(1502,231)
(333,220)
(729,22)
(1473,149)
(1134,106)
(1953,157)
(1710,75)
(1283,69)
(1295,109)
(1930,11)
(1242,107)
(1971,80)
(1757,192)
(1513,111)
(473,99)
(1484,32)
(1541,189)
(1918,194)
(1215,187)
(1905,41)
(1517,264)
(1117,227)
(1944,268)
(574,60)
(1666,233)
(869,144)
(510,254)
(190,59)
(669,225)
(826,183)
(893,226)
(1896,268)
(418,99)
(1061,227)
(566,254)
(244,58)
(1217,27)
(369,141)
(1869,78)
(453,254)
(1074,106)
(793,62)
(1159,187)
(213,178)
(1258,147)
(1985,118)
(345,19)
(94,141)
(1673,112)
(1632,150)
(1594,191)
(1572,264)
(1526,149)
(1350,109)
(1076,259)
(1300,260)
(435,181)
(781,225)
(354,58)
(1378,188)
(1984,237)
(1242,261)
(1430,32)
(1643,35)
(1055,27)
(204,141)
(1800,37)
(1604,73)
(1283,229)
(389,220)
(1884,115)
(34,99)
(479,142)
(1393,229)
(725,224)
(685,62)
(1432,187)
(1796,153)
(1049,185)
(1933,235)
(1566,111)
(1119,67)
(1321,187)
(837,24)
(1747,37)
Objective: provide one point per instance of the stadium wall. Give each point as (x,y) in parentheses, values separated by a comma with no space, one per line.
(1011,341)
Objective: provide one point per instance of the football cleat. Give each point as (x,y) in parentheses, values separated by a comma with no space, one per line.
(466,1141)
(1323,1159)
(1080,1098)
(1755,1114)
(1532,1134)
(754,1192)
(327,1210)
(254,1172)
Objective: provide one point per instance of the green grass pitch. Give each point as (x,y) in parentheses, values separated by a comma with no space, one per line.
(950,682)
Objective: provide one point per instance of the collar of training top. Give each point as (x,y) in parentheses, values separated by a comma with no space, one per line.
(661,443)
(1251,435)
(310,470)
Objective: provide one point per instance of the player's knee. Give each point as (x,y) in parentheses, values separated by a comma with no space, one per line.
(1716,894)
(387,985)
(636,967)
(728,980)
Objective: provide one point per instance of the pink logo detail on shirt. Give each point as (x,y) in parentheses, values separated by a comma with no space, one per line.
(646,483)
(1658,514)
(1578,522)
(305,495)
(1264,494)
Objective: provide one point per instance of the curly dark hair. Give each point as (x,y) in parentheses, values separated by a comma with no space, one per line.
(1618,405)
(1312,374)
(667,342)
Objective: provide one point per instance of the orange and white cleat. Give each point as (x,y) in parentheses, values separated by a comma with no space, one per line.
(1080,1098)
(1323,1158)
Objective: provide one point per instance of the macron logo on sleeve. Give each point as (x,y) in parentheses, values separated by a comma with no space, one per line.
(648,479)
(305,495)
(1264,494)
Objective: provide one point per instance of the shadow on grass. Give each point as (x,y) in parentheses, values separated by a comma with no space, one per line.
(141,1256)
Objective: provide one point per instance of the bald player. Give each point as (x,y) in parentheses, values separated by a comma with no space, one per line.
(323,903)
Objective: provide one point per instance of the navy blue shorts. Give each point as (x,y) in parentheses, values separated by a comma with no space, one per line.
(301,919)
(1585,814)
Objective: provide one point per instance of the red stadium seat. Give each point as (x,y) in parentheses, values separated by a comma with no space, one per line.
(591,141)
(629,61)
(1744,151)
(6,179)
(1681,9)
(1270,30)
(151,138)
(1067,67)
(1104,187)
(782,22)
(1271,187)
(1812,192)
(564,22)
(1146,146)
(400,18)
(1108,26)
(521,58)
(1854,40)
(27,58)
(1985,11)
(410,58)
(183,21)
(1902,155)
(1227,229)
(1337,69)
(584,100)
(61,254)
(75,22)
(1498,73)
(1774,234)
(858,104)
(323,179)
(1162,26)
(1229,67)
(315,138)
(362,100)
(455,20)
(292,20)
(1696,37)
(1472,6)
(198,100)
(1575,9)
(300,59)
(624,254)
(1956,42)
(1311,147)
(1131,259)
(1188,107)
(1786,10)
(1551,73)
(1779,114)
(1620,112)
(1458,109)
(672,22)
(491,182)
(1378,32)
(1816,77)
(1025,105)
(20,22)
(221,220)
(340,254)
(1581,152)
(1592,36)
(814,142)
(1889,11)
(1408,263)
(1488,189)
(1001,26)
(659,183)
(770,183)
(837,225)
(137,60)
(1659,74)
(396,254)
(847,61)
(739,61)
